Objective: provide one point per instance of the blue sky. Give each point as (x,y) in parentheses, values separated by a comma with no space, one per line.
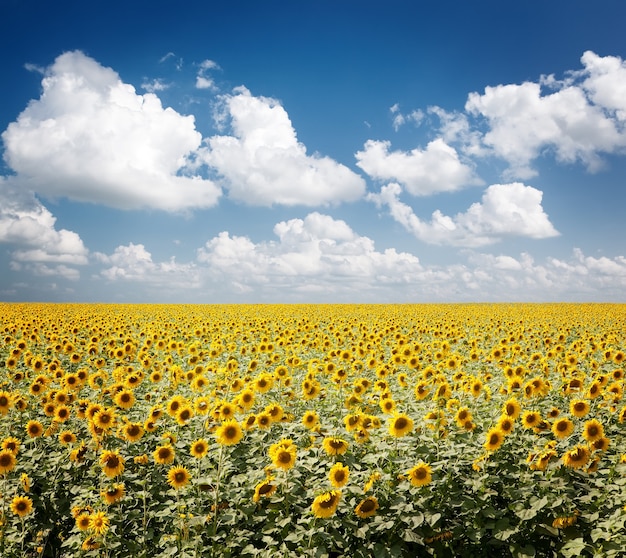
(312,151)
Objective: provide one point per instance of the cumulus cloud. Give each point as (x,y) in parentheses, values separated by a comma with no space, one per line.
(90,137)
(422,172)
(28,226)
(315,254)
(263,163)
(579,121)
(505,210)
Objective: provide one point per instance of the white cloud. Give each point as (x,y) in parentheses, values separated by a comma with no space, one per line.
(579,278)
(203,80)
(605,82)
(263,163)
(27,225)
(399,119)
(579,121)
(134,263)
(422,172)
(315,254)
(506,210)
(90,137)
(155,85)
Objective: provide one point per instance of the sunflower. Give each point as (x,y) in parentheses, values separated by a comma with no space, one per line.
(505,424)
(512,408)
(178,477)
(264,489)
(21,506)
(263,420)
(601,444)
(184,414)
(7,461)
(283,456)
(577,457)
(124,399)
(245,399)
(82,521)
(593,430)
(62,413)
(249,422)
(530,419)
(104,419)
(579,407)
(310,419)
(562,428)
(132,431)
(164,455)
(6,400)
(99,522)
(11,444)
(90,543)
(229,433)
(112,463)
(338,475)
(113,493)
(199,448)
(400,425)
(25,482)
(275,411)
(352,421)
(67,437)
(387,406)
(462,415)
(263,383)
(325,505)
(335,446)
(494,439)
(367,508)
(174,404)
(420,475)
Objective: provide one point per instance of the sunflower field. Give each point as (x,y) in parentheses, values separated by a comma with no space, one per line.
(312,430)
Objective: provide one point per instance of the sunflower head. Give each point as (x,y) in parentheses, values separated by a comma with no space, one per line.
(367,507)
(338,475)
(178,477)
(325,505)
(164,455)
(21,506)
(229,433)
(420,474)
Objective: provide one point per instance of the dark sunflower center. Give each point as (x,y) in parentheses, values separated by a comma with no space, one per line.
(368,506)
(420,474)
(284,457)
(328,502)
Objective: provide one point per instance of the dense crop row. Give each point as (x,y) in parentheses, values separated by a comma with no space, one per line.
(381,430)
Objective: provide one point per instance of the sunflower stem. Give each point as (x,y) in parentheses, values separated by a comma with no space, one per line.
(217,489)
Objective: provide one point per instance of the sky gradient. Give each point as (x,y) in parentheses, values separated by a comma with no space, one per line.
(312,151)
